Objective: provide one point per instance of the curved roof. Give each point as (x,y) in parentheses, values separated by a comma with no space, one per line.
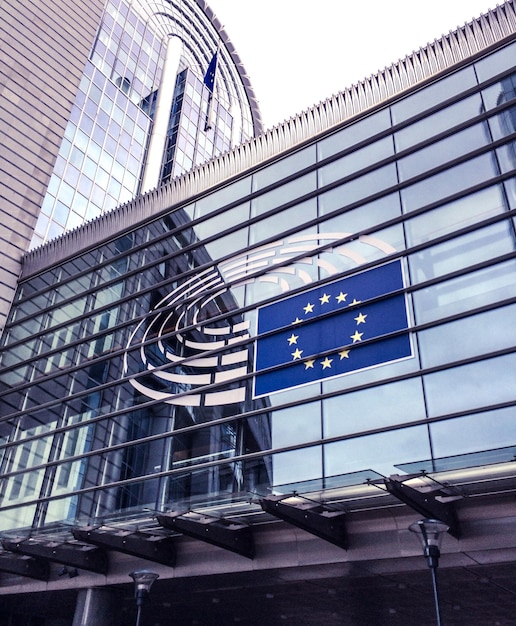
(201,34)
(253,101)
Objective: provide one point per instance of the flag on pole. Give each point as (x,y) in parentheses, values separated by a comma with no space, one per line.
(319,333)
(209,78)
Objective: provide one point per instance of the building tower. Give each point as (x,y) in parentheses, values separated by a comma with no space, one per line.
(162,91)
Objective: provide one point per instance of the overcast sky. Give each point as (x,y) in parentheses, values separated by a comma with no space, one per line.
(299,52)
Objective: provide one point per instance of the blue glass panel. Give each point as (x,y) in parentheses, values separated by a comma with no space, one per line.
(376,407)
(472,386)
(452,342)
(355,161)
(433,94)
(483,431)
(353,134)
(438,122)
(496,63)
(453,180)
(380,452)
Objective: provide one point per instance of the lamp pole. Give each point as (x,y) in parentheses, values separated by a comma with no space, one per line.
(143,580)
(430,532)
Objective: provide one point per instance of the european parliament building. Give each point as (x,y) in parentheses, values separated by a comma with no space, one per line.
(251,378)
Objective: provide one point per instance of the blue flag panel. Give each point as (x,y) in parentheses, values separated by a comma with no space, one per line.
(318,334)
(209,78)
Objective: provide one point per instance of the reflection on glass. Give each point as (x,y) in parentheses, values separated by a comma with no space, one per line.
(289,468)
(446,183)
(376,407)
(462,252)
(438,122)
(353,134)
(455,215)
(296,425)
(473,433)
(471,386)
(380,452)
(441,152)
(356,161)
(482,287)
(451,342)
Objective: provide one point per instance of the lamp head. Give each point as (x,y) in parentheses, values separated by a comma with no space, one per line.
(430,532)
(143,580)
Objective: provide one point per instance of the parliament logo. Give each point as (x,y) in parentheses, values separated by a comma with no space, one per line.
(195,348)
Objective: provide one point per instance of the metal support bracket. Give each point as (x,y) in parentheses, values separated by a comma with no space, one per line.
(313,517)
(85,557)
(227,534)
(20,565)
(152,547)
(426,502)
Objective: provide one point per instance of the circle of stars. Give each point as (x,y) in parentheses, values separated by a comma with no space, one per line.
(356,337)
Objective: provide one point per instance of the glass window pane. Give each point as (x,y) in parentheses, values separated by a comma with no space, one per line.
(438,122)
(380,452)
(474,433)
(501,92)
(373,408)
(354,133)
(480,245)
(290,191)
(283,168)
(296,425)
(297,465)
(465,292)
(496,63)
(222,221)
(222,197)
(454,215)
(446,183)
(282,221)
(471,386)
(452,342)
(368,184)
(355,161)
(433,94)
(442,151)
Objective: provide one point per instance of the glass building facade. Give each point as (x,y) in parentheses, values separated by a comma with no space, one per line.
(339,313)
(103,153)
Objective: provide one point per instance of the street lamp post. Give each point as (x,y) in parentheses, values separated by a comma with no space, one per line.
(431,532)
(143,580)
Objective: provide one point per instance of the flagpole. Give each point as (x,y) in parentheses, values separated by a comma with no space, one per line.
(209,111)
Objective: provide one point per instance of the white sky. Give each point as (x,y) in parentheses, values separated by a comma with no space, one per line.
(299,52)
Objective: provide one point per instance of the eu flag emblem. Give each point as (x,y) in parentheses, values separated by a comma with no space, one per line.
(209,78)
(332,330)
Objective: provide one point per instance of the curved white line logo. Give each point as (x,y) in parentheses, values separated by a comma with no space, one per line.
(192,362)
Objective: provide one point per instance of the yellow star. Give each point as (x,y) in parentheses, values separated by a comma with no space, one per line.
(309,364)
(326,363)
(309,308)
(297,354)
(297,321)
(356,336)
(355,301)
(292,339)
(361,318)
(344,354)
(341,297)
(325,299)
